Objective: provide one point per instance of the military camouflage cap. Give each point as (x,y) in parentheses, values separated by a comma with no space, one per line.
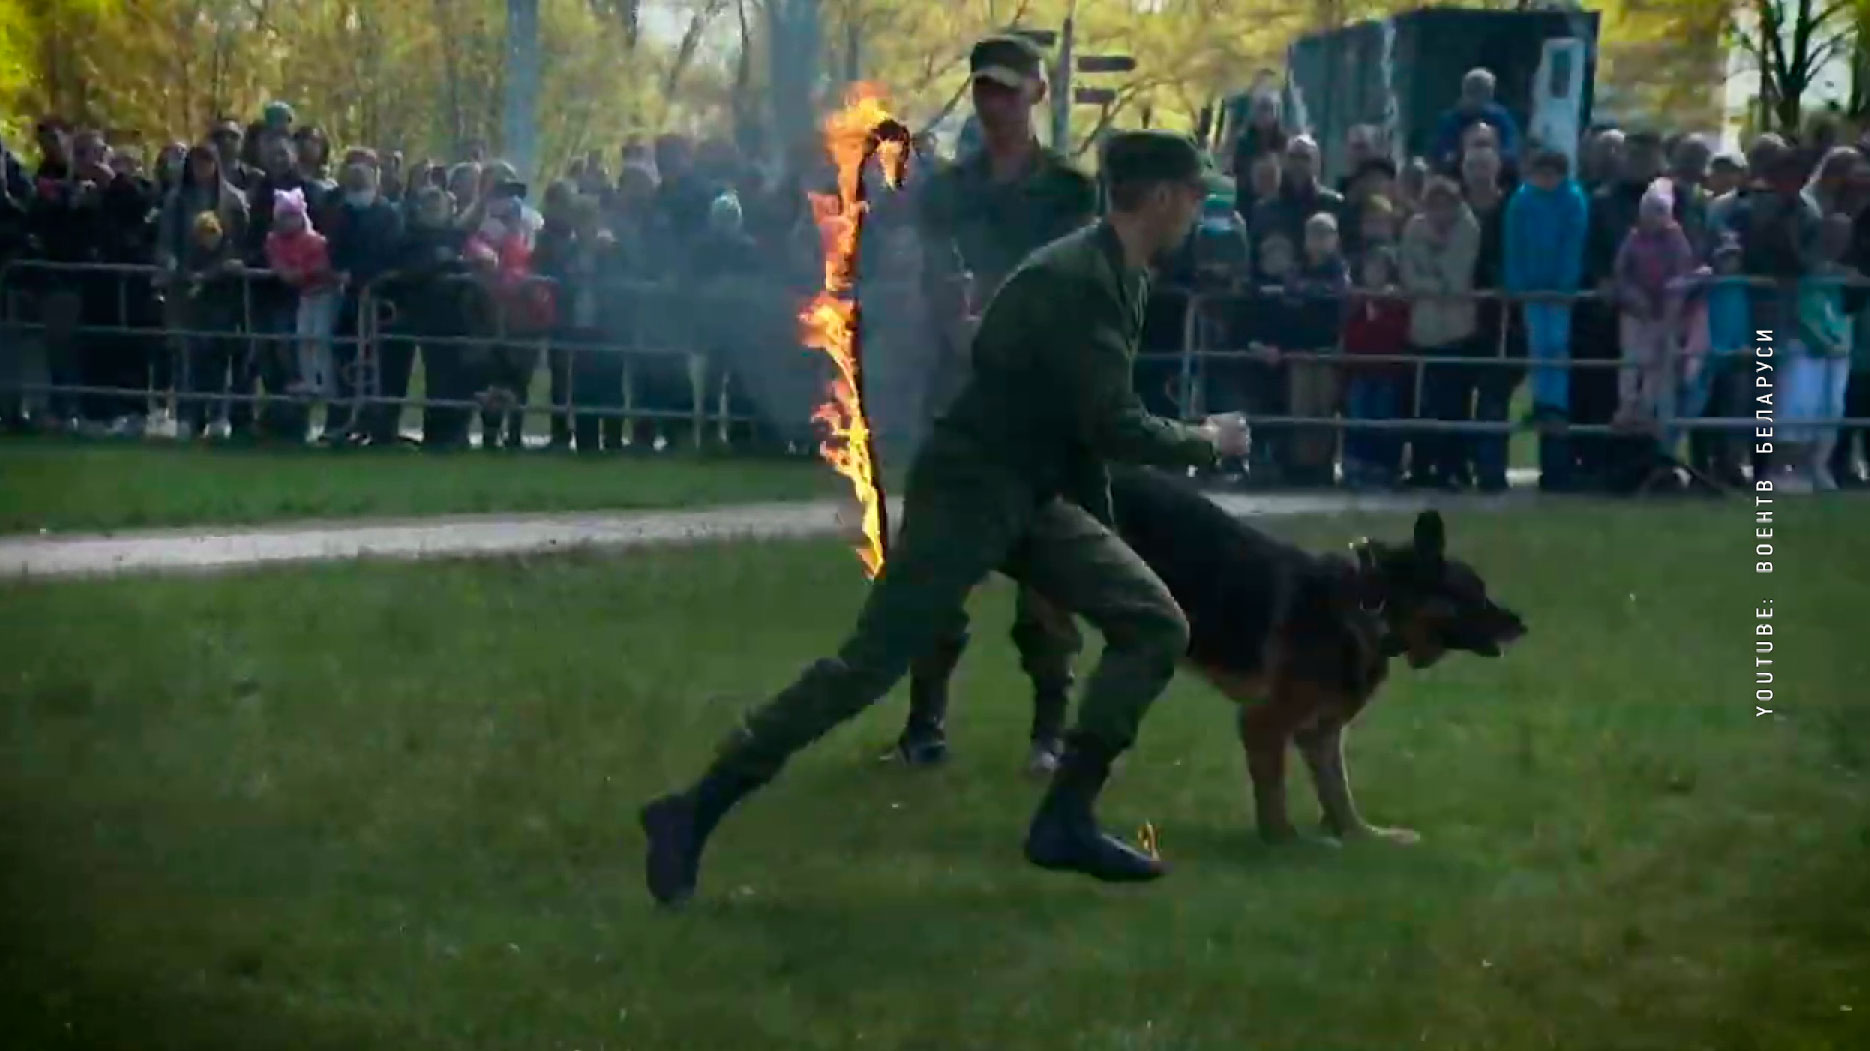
(1009,61)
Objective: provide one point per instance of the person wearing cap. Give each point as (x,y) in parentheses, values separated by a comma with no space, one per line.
(1013,479)
(227,137)
(983,216)
(278,118)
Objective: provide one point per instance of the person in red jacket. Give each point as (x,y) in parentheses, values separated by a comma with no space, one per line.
(1377,322)
(297,253)
(501,252)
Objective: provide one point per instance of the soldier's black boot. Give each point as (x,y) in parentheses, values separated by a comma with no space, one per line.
(1050,702)
(677,827)
(1064,836)
(924,740)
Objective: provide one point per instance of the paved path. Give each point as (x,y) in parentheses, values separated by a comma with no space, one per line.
(207,549)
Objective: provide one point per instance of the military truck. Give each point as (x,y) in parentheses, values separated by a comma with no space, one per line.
(1402,73)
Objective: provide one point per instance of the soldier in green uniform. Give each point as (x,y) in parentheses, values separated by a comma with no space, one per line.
(983,216)
(1013,479)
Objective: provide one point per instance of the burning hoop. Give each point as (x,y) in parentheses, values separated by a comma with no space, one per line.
(833,320)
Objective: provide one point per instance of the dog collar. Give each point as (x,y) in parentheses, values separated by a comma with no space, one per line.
(1372,596)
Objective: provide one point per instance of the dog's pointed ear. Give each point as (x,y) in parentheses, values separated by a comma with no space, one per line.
(1430,540)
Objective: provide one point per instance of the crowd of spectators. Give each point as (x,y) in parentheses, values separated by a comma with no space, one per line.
(258,243)
(1374,299)
(1656,258)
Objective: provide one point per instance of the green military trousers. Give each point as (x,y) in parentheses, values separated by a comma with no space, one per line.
(1045,636)
(959,525)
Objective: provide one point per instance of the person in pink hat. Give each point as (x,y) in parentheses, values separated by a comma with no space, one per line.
(298,254)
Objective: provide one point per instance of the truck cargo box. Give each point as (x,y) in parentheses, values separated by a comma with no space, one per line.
(1401,73)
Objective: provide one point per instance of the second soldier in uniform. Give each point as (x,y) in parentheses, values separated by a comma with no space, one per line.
(982,217)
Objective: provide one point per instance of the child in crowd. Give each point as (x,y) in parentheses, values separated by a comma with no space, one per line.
(1726,172)
(1543,260)
(1654,256)
(1814,374)
(1219,244)
(1544,253)
(211,309)
(1440,246)
(299,255)
(1213,261)
(1317,322)
(500,251)
(1259,385)
(1376,323)
(1377,224)
(1723,387)
(1687,317)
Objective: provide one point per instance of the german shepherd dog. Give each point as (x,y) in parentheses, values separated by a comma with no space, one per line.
(1301,641)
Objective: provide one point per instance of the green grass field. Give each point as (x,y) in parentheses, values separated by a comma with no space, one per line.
(75,486)
(392,806)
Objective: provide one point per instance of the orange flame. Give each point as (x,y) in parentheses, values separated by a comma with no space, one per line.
(831,318)
(1146,839)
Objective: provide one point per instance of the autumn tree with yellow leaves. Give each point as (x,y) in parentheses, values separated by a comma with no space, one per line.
(427,76)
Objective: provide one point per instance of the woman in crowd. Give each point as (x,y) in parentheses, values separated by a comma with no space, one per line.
(1439,248)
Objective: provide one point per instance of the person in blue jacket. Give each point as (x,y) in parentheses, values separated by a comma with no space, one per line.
(1476,106)
(1546,221)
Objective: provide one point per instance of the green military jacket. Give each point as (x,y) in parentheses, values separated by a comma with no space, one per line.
(1051,397)
(969,220)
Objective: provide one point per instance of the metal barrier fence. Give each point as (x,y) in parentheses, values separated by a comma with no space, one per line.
(61,304)
(662,323)
(1198,348)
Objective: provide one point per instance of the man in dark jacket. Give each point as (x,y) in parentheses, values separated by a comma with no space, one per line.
(1613,214)
(429,294)
(275,306)
(1263,134)
(15,198)
(363,232)
(1300,196)
(227,137)
(86,218)
(1476,106)
(54,138)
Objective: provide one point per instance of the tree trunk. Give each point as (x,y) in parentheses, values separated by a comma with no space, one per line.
(792,36)
(451,79)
